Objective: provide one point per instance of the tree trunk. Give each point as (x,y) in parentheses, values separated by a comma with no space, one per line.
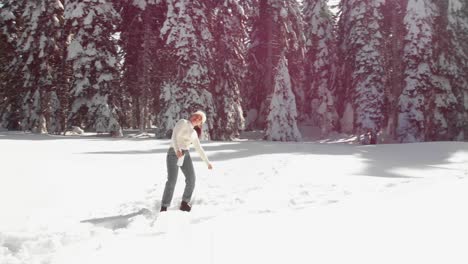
(396,64)
(144,78)
(264,93)
(63,84)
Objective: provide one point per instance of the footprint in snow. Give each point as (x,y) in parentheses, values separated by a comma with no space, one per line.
(265,211)
(201,219)
(238,200)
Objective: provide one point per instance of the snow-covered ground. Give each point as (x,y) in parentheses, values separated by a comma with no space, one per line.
(264,202)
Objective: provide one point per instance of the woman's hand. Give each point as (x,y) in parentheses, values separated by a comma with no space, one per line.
(179,153)
(210,167)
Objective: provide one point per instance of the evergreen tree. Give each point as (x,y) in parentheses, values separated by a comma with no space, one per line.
(362,77)
(187,61)
(320,65)
(141,23)
(5,57)
(457,13)
(39,48)
(414,102)
(277,31)
(131,39)
(10,74)
(93,54)
(462,28)
(229,34)
(393,31)
(64,77)
(445,121)
(293,24)
(258,69)
(281,121)
(144,78)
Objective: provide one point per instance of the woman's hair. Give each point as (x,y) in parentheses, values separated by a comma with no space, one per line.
(199,131)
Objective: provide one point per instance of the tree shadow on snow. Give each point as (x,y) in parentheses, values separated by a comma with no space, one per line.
(379,160)
(25,136)
(384,160)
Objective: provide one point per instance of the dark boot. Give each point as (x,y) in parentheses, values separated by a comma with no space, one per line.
(163,209)
(184,206)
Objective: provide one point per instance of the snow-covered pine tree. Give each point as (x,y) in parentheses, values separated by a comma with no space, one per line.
(446,120)
(362,74)
(229,34)
(39,47)
(64,77)
(188,57)
(457,29)
(277,30)
(5,58)
(131,38)
(259,70)
(320,65)
(251,13)
(141,23)
(153,19)
(281,122)
(10,70)
(293,26)
(414,104)
(461,31)
(393,31)
(93,54)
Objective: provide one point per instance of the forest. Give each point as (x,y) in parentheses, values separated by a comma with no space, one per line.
(394,68)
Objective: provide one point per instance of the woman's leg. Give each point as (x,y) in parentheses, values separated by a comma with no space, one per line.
(172,171)
(189,173)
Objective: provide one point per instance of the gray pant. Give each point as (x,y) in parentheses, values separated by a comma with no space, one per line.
(173,171)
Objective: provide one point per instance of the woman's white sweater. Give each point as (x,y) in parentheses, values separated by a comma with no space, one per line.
(183,135)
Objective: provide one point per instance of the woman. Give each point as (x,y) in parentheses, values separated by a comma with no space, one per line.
(185,133)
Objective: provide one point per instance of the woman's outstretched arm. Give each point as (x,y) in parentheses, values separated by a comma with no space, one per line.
(201,151)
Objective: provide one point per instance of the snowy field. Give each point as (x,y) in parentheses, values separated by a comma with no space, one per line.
(264,202)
